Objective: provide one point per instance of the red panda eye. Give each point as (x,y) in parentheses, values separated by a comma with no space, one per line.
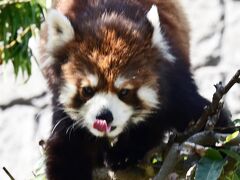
(88,91)
(123,93)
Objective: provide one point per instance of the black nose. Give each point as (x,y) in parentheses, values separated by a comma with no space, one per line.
(105,114)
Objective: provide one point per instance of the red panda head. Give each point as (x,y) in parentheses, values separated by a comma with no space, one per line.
(105,68)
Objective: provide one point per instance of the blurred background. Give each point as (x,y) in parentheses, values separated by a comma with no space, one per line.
(25,111)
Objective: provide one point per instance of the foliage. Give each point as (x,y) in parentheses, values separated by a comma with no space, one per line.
(209,169)
(223,163)
(19,20)
(231,137)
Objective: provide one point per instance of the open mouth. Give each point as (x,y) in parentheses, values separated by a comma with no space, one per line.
(102,126)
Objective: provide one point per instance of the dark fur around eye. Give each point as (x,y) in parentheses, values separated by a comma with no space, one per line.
(123,93)
(88,92)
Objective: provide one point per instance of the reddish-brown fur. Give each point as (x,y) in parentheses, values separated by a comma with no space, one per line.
(174,24)
(119,54)
(109,46)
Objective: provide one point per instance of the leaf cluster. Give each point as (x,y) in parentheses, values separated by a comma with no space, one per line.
(19,20)
(221,163)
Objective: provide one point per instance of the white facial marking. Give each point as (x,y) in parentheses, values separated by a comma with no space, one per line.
(148,96)
(91,80)
(67,93)
(141,116)
(121,83)
(60,30)
(158,38)
(121,112)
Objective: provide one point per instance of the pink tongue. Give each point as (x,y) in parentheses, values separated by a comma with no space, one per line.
(101,125)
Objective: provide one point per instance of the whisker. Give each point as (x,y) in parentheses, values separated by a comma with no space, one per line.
(61,120)
(69,131)
(77,124)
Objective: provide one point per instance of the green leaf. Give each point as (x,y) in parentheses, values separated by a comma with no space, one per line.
(231,137)
(156,159)
(17,16)
(213,154)
(231,154)
(236,176)
(233,176)
(208,169)
(238,171)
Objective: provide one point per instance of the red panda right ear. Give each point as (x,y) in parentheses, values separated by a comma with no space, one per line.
(60,30)
(158,38)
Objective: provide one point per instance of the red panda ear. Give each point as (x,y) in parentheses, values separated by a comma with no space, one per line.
(60,30)
(158,38)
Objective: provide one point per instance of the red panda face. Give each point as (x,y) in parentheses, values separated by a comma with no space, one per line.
(107,89)
(108,71)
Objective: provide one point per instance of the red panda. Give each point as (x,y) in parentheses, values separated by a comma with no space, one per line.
(119,72)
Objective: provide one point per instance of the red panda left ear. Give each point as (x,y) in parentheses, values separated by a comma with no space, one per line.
(59,28)
(158,38)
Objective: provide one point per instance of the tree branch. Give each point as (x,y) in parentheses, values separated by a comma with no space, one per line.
(210,110)
(169,163)
(194,142)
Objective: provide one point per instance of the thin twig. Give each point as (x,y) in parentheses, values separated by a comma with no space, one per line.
(235,79)
(190,148)
(210,138)
(8,173)
(212,121)
(17,40)
(219,129)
